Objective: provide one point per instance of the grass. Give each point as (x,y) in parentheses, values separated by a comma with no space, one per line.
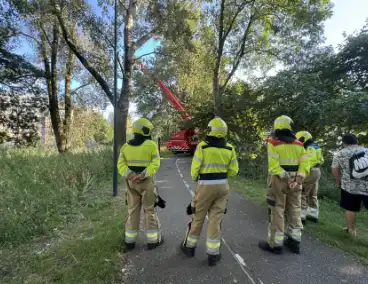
(165,153)
(331,221)
(59,222)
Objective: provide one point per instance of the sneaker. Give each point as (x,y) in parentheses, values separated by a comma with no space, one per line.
(265,246)
(189,252)
(213,259)
(293,246)
(155,245)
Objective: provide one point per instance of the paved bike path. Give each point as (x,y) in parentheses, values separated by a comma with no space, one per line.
(242,262)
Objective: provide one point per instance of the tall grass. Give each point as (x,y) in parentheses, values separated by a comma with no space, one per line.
(58,222)
(41,190)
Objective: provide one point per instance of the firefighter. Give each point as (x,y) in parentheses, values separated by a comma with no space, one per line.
(138,162)
(310,208)
(287,168)
(213,162)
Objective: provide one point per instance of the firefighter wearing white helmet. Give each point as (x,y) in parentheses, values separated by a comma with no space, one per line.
(287,167)
(310,208)
(213,162)
(138,162)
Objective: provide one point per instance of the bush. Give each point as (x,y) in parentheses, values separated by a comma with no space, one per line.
(41,191)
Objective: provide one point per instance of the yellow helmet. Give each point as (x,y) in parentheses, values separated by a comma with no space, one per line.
(303,136)
(283,122)
(142,126)
(217,128)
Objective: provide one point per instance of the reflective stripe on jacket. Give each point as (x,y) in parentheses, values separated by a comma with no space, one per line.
(289,157)
(212,163)
(143,158)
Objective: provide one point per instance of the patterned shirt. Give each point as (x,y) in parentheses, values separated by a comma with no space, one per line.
(341,161)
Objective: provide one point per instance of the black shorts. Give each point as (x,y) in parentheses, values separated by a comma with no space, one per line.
(353,202)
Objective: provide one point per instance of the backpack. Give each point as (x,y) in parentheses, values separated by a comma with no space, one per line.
(358,164)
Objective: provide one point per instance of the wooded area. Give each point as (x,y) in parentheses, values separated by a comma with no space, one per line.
(216,56)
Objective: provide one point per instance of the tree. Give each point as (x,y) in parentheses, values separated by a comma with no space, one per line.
(256,32)
(142,21)
(37,24)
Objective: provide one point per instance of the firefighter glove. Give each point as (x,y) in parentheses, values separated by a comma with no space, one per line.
(299,179)
(160,202)
(190,209)
(285,176)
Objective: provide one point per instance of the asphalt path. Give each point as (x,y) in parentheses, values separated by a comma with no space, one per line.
(242,261)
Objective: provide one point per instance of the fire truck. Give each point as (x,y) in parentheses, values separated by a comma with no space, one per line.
(182,141)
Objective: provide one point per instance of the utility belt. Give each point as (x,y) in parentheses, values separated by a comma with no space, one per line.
(213,176)
(290,168)
(136,169)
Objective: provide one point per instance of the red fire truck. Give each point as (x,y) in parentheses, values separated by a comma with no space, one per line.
(183,141)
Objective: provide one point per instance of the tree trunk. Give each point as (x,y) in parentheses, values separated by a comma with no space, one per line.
(67,94)
(52,81)
(129,51)
(216,92)
(54,103)
(122,121)
(216,70)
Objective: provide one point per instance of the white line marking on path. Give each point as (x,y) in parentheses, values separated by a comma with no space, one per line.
(236,256)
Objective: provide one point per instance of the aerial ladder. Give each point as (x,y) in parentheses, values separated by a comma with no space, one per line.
(182,141)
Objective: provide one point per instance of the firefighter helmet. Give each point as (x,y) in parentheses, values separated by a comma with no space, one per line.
(217,128)
(303,136)
(283,122)
(142,126)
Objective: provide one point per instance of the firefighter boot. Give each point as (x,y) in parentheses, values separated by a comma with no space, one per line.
(213,259)
(155,245)
(265,246)
(292,245)
(128,247)
(189,252)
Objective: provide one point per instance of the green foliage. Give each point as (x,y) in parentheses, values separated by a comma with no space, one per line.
(42,192)
(89,127)
(60,224)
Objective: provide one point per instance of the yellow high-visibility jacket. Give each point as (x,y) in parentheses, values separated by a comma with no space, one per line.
(315,156)
(287,157)
(144,158)
(213,163)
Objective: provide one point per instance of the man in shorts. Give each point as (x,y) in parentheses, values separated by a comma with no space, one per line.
(350,169)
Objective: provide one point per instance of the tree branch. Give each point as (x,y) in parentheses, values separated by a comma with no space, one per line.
(149,53)
(19,62)
(140,42)
(72,92)
(240,53)
(76,50)
(228,30)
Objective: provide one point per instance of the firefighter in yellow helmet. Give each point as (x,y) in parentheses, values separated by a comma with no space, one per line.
(138,162)
(310,208)
(213,162)
(287,168)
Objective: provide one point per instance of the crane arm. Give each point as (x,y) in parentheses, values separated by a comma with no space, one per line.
(171,97)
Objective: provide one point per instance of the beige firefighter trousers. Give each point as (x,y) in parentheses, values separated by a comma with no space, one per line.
(142,195)
(310,194)
(284,211)
(212,200)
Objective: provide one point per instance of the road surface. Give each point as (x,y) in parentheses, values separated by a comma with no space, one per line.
(242,261)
